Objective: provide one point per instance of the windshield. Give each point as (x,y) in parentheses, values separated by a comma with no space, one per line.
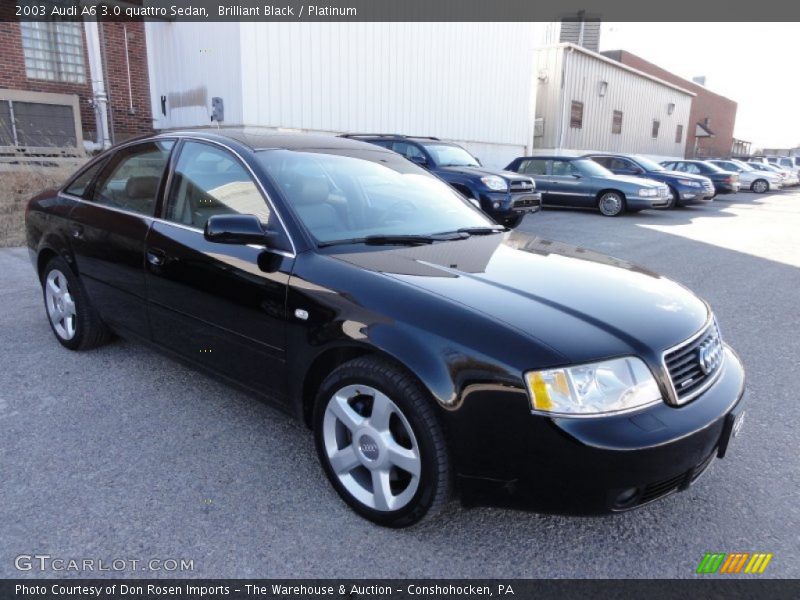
(647,164)
(445,155)
(744,166)
(342,197)
(591,168)
(713,167)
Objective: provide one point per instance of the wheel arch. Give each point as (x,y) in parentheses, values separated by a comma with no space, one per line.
(599,194)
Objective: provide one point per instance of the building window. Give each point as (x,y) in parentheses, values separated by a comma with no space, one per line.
(679,134)
(53,51)
(656,125)
(616,122)
(576,115)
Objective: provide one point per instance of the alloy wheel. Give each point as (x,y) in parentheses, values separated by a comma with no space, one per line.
(371,447)
(60,305)
(610,204)
(760,186)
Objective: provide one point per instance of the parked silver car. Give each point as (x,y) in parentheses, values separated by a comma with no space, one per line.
(788,176)
(749,178)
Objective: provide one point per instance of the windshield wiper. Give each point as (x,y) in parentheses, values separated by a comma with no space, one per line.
(399,240)
(458,165)
(481,230)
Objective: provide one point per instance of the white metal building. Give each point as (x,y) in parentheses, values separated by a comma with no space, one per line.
(473,83)
(586,102)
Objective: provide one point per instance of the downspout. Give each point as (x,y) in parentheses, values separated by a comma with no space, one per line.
(100,97)
(564,97)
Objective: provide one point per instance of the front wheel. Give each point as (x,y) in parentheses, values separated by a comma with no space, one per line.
(611,204)
(380,443)
(673,199)
(73,320)
(760,186)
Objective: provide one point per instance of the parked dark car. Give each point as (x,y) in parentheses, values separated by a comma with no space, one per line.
(429,349)
(685,189)
(725,182)
(506,197)
(582,183)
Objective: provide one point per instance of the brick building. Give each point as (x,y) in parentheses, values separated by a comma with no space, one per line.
(712,116)
(49,71)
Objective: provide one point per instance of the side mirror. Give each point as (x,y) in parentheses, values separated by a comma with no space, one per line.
(576,175)
(419,160)
(478,160)
(236,229)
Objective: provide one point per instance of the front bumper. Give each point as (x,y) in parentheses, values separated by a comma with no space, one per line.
(641,202)
(585,466)
(506,205)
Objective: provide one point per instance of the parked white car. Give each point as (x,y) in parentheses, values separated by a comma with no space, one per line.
(789,163)
(749,178)
(788,177)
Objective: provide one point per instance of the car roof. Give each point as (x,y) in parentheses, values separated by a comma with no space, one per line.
(554,157)
(257,138)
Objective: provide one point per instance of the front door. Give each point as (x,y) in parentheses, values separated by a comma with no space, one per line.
(568,186)
(220,305)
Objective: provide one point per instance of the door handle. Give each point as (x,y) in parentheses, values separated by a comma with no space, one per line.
(157,258)
(77,232)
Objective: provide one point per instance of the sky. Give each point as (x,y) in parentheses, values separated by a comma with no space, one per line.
(755,64)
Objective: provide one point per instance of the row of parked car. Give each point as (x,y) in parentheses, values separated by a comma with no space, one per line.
(611,183)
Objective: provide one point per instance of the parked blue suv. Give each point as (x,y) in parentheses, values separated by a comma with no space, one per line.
(582,183)
(684,188)
(506,197)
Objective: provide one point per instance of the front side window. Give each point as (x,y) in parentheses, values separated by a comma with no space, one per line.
(562,168)
(132,178)
(211,181)
(339,197)
(53,51)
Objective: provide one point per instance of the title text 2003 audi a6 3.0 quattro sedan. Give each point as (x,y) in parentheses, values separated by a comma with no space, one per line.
(430,350)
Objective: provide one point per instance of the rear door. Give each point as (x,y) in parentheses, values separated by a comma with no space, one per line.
(108,230)
(220,305)
(568,186)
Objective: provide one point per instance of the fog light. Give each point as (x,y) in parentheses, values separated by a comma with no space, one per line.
(626,498)
(688,196)
(496,205)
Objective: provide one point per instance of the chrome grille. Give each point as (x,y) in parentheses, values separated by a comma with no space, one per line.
(523,186)
(695,364)
(663,192)
(525,202)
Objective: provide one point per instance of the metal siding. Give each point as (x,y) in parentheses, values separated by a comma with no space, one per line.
(640,99)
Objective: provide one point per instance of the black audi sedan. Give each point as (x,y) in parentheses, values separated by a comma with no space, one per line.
(431,351)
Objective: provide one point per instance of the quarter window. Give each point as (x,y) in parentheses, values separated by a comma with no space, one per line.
(132,177)
(576,115)
(210,181)
(616,122)
(79,187)
(534,166)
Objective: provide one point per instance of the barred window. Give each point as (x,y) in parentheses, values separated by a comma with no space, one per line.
(53,51)
(576,115)
(616,122)
(679,134)
(656,125)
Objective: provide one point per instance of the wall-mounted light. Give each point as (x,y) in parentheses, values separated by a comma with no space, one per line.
(602,88)
(670,108)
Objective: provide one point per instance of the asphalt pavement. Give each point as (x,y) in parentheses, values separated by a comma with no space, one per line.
(122,453)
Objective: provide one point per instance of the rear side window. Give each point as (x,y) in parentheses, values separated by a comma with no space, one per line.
(533,166)
(210,181)
(132,177)
(80,186)
(408,150)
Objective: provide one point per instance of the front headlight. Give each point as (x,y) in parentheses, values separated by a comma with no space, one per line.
(648,192)
(690,183)
(493,182)
(609,386)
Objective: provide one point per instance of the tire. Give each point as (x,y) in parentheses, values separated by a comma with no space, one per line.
(512,222)
(72,318)
(760,186)
(366,448)
(673,201)
(611,204)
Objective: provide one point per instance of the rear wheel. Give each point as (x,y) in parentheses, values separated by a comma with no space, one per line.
(611,204)
(760,186)
(74,322)
(380,443)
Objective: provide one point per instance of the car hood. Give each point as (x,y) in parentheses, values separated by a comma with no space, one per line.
(483,171)
(636,180)
(580,303)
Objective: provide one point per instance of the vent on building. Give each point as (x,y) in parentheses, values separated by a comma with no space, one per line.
(538,127)
(581,31)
